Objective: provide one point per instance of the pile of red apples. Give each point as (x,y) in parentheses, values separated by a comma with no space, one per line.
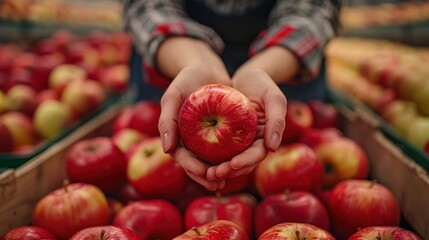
(123,186)
(47,86)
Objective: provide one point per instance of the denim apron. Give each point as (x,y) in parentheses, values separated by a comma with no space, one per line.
(237,32)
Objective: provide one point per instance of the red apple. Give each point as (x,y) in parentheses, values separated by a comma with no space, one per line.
(47,94)
(123,119)
(24,60)
(20,126)
(97,161)
(83,54)
(63,74)
(426,148)
(293,167)
(96,38)
(52,118)
(145,118)
(108,54)
(83,96)
(153,173)
(62,38)
(115,206)
(296,206)
(106,232)
(236,184)
(28,233)
(71,208)
(418,132)
(293,231)
(192,191)
(384,232)
(127,138)
(355,204)
(151,219)
(45,65)
(298,118)
(314,136)
(237,208)
(128,193)
(343,159)
(3,103)
(21,76)
(5,138)
(115,78)
(22,98)
(215,230)
(217,122)
(324,115)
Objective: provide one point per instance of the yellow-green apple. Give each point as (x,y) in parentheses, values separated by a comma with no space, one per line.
(151,219)
(342,159)
(69,209)
(83,96)
(153,173)
(295,231)
(314,136)
(97,161)
(293,167)
(418,132)
(298,118)
(108,54)
(21,98)
(295,206)
(325,115)
(407,86)
(20,126)
(215,230)
(145,117)
(384,232)
(52,118)
(123,119)
(400,113)
(421,97)
(3,103)
(355,204)
(237,208)
(379,97)
(125,138)
(106,232)
(5,138)
(28,233)
(217,122)
(115,78)
(63,75)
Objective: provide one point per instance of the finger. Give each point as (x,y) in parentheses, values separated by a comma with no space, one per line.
(251,156)
(188,162)
(242,171)
(210,185)
(220,171)
(275,108)
(167,125)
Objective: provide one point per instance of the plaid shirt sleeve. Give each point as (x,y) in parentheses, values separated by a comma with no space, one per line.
(304,27)
(151,22)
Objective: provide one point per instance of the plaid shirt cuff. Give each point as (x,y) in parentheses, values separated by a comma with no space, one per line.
(299,40)
(179,27)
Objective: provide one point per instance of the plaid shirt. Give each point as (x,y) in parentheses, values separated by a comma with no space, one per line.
(304,27)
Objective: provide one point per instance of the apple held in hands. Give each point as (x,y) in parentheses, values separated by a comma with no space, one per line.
(384,232)
(237,208)
(215,230)
(71,208)
(153,173)
(291,167)
(28,233)
(296,206)
(295,231)
(355,204)
(106,232)
(151,219)
(97,161)
(217,122)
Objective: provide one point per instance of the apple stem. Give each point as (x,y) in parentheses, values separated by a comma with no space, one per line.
(66,182)
(287,195)
(210,123)
(378,238)
(373,182)
(195,229)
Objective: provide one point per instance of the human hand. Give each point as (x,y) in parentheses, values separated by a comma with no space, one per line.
(186,82)
(270,104)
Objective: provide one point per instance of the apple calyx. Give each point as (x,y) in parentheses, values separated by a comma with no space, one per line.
(149,152)
(102,235)
(378,238)
(211,122)
(297,234)
(195,229)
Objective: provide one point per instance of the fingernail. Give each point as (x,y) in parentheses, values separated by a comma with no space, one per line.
(165,143)
(275,141)
(221,184)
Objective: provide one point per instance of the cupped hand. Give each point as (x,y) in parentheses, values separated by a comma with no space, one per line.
(187,81)
(270,104)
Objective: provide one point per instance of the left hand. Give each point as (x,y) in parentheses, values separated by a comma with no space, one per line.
(270,104)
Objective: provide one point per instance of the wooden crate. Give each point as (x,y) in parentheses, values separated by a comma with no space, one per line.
(408,181)
(21,188)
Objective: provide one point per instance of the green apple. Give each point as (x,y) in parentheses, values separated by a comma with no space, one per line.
(421,97)
(418,132)
(51,118)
